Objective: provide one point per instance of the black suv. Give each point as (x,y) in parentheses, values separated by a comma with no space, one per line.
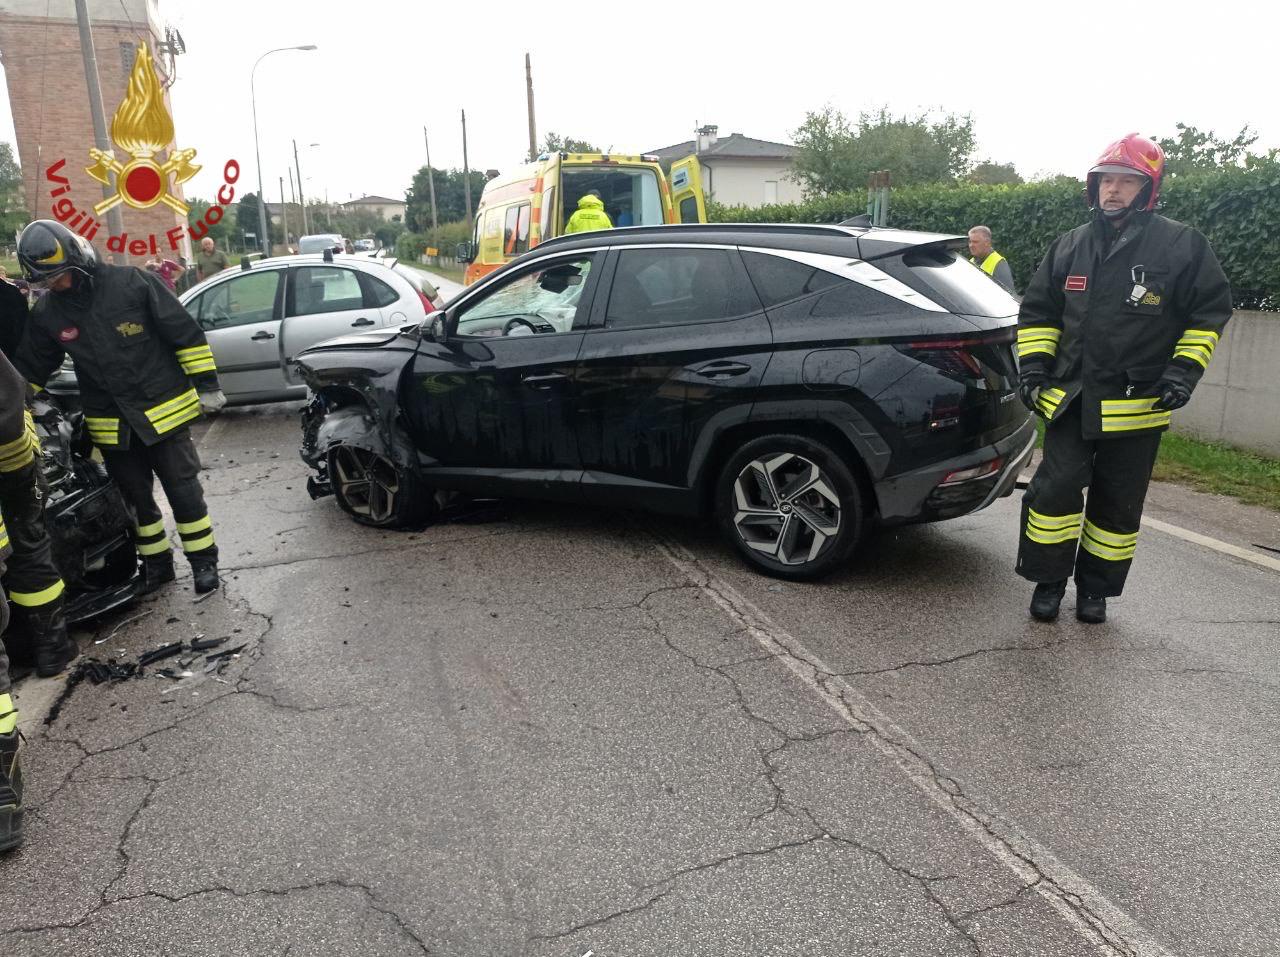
(796,382)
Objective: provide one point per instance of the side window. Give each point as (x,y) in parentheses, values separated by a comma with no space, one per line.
(515,235)
(320,289)
(377,293)
(240,301)
(780,280)
(663,287)
(543,301)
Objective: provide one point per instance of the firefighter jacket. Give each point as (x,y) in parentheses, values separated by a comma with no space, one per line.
(589,216)
(18,444)
(1107,316)
(140,358)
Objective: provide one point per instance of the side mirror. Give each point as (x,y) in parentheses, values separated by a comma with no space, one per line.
(436,328)
(464,253)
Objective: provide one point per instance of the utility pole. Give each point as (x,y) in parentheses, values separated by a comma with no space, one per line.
(291,192)
(466,175)
(533,131)
(306,228)
(284,215)
(431,184)
(115,224)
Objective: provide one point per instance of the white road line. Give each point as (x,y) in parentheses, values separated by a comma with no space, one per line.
(1235,551)
(1084,908)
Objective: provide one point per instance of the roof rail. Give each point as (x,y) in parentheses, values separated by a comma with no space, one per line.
(246,260)
(823,229)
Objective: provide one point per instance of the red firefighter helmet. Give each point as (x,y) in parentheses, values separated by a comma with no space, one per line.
(1132,154)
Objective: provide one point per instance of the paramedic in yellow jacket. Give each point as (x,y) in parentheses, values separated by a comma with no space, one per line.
(589,216)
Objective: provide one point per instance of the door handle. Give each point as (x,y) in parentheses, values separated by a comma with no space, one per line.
(543,381)
(723,369)
(262,334)
(362,321)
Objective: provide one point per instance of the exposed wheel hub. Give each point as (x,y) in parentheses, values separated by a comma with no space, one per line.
(786,508)
(366,482)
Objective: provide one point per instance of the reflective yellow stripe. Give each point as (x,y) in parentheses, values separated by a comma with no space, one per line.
(8,715)
(33,599)
(177,418)
(1111,546)
(1052,529)
(1127,406)
(1052,332)
(153,548)
(1197,345)
(190,351)
(1049,400)
(155,528)
(202,365)
(1033,339)
(1199,354)
(199,525)
(1116,539)
(1128,423)
(37,389)
(165,408)
(198,544)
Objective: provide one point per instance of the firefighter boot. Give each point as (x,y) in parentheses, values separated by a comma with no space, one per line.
(205,573)
(1091,609)
(1046,599)
(10,785)
(156,571)
(54,648)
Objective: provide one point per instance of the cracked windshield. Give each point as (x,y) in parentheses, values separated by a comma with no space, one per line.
(483,481)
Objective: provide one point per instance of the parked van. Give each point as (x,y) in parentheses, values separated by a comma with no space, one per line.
(532,204)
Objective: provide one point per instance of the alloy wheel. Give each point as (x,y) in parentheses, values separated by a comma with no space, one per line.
(786,508)
(367,483)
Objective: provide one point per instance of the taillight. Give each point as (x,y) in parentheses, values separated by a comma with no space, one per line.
(427,304)
(976,472)
(955,356)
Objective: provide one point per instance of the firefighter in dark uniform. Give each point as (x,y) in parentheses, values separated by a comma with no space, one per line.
(1114,332)
(145,371)
(38,634)
(15,432)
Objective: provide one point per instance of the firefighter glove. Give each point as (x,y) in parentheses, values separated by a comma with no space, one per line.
(1029,385)
(1171,395)
(211,402)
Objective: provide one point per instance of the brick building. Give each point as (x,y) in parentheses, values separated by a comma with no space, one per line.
(49,98)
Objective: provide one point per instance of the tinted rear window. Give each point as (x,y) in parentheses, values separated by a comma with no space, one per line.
(951,281)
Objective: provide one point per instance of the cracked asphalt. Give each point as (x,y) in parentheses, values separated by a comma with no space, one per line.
(556,731)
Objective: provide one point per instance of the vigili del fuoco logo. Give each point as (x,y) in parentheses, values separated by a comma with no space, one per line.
(141,128)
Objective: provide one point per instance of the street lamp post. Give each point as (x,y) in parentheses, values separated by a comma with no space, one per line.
(257,152)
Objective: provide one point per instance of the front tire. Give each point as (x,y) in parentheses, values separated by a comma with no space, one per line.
(790,506)
(376,492)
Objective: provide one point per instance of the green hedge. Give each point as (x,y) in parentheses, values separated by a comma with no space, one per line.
(446,239)
(1238,210)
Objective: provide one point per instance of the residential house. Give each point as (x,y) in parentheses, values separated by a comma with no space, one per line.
(739,170)
(391,210)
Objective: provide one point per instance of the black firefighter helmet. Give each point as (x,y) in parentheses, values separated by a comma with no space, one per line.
(47,249)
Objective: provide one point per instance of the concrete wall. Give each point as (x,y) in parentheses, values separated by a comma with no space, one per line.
(741,182)
(1238,400)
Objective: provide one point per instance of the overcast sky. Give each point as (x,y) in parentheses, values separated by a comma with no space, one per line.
(1049,84)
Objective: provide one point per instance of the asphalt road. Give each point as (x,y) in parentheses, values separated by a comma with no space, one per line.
(547,731)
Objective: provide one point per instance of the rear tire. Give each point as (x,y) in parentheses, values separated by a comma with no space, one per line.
(376,492)
(790,505)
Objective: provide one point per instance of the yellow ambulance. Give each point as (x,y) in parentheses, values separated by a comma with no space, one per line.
(532,204)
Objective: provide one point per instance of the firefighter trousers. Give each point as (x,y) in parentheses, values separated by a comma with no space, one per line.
(1061,532)
(31,578)
(176,463)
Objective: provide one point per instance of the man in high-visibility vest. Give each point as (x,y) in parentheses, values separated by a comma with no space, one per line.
(984,256)
(1115,330)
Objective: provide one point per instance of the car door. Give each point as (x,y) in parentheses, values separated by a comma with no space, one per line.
(495,400)
(323,301)
(678,346)
(240,316)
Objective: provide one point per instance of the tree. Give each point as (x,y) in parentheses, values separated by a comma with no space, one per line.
(555,143)
(221,231)
(1192,151)
(450,197)
(13,213)
(247,221)
(990,173)
(837,156)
